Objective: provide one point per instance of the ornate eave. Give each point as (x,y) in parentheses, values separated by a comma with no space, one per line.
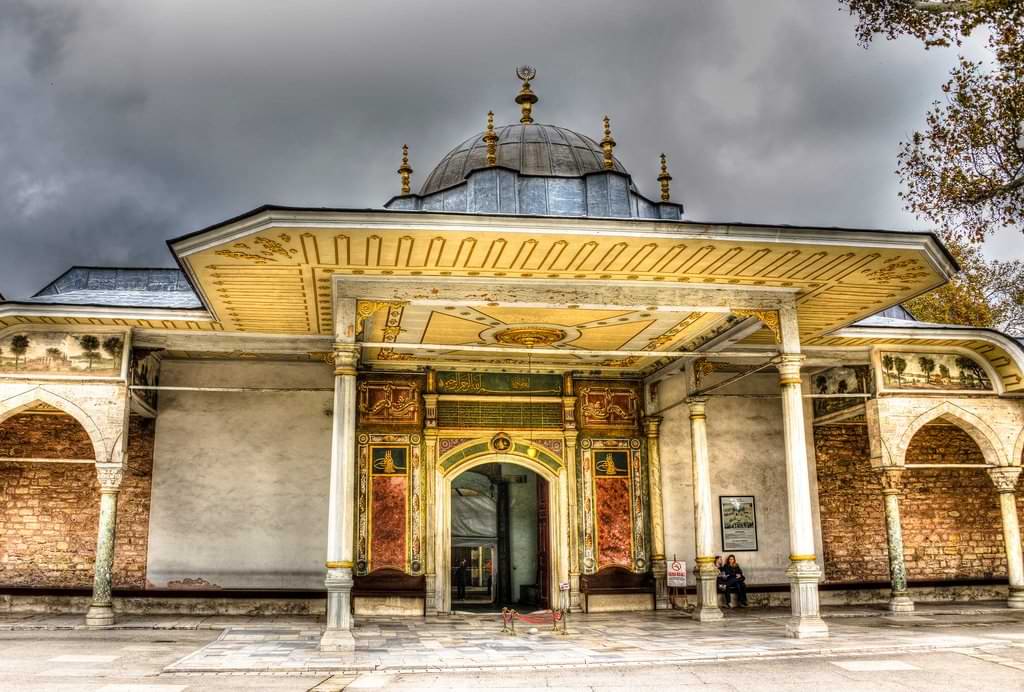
(274,270)
(1003,354)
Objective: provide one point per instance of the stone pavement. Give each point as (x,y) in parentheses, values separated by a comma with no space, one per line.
(471,642)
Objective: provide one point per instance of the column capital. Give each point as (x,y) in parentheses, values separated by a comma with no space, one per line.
(1005,478)
(788,365)
(651,425)
(109,476)
(892,480)
(697,407)
(346,359)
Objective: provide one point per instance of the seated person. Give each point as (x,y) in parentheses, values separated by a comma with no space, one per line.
(720,580)
(734,580)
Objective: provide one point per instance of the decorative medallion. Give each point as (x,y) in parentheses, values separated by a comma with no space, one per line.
(529,336)
(501,442)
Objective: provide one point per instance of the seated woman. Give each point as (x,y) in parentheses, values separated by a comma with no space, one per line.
(734,580)
(720,580)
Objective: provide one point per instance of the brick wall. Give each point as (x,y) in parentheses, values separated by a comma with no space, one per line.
(49,511)
(950,517)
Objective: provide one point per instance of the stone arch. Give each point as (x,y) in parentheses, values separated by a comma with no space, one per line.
(556,476)
(1018,451)
(14,405)
(544,470)
(975,427)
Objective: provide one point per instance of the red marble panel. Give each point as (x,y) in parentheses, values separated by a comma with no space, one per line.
(614,526)
(387,542)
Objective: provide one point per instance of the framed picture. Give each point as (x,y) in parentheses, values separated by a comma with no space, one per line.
(739,523)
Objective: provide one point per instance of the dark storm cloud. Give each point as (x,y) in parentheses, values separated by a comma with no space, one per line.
(123,124)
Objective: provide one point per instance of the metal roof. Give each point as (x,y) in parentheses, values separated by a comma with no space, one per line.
(115,287)
(529,148)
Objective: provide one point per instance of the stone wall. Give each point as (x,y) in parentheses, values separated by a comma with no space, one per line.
(49,511)
(950,517)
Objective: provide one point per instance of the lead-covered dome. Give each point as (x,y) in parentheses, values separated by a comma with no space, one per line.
(527,148)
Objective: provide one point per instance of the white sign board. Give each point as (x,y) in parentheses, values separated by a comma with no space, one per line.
(677,574)
(563,586)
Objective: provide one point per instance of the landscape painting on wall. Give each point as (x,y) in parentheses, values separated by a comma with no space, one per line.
(933,371)
(61,353)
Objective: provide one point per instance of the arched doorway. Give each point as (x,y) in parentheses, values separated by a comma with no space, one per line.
(548,543)
(499,532)
(48,485)
(948,506)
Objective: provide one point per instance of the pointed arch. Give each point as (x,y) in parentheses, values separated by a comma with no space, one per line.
(979,431)
(14,405)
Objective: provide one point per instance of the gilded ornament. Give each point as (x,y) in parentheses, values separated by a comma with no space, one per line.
(491,140)
(529,337)
(770,319)
(526,98)
(664,179)
(365,308)
(405,170)
(608,145)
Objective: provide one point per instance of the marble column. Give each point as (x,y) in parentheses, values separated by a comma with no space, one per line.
(569,456)
(101,610)
(803,571)
(661,601)
(1005,480)
(899,600)
(429,488)
(337,635)
(704,522)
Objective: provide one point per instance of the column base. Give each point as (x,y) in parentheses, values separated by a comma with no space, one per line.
(806,622)
(575,602)
(100,616)
(661,600)
(806,627)
(1016,599)
(707,609)
(901,604)
(428,595)
(337,641)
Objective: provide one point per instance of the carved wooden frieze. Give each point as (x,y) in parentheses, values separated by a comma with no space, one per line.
(389,402)
(607,405)
(390,521)
(612,510)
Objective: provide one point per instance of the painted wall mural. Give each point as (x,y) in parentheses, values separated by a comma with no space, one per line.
(389,490)
(842,380)
(932,371)
(62,353)
(614,525)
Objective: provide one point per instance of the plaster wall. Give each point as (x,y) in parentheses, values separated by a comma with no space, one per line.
(240,480)
(747,458)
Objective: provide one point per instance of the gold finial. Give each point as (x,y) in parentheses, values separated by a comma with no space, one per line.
(405,170)
(491,140)
(526,98)
(664,178)
(608,144)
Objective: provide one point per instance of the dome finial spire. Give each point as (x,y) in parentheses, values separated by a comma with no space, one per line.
(664,178)
(491,140)
(405,170)
(526,98)
(608,145)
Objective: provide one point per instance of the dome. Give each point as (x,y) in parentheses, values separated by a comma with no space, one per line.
(529,149)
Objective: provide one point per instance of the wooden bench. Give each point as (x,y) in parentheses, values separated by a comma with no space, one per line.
(388,583)
(616,581)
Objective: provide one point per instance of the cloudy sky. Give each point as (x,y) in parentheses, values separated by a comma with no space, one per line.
(125,124)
